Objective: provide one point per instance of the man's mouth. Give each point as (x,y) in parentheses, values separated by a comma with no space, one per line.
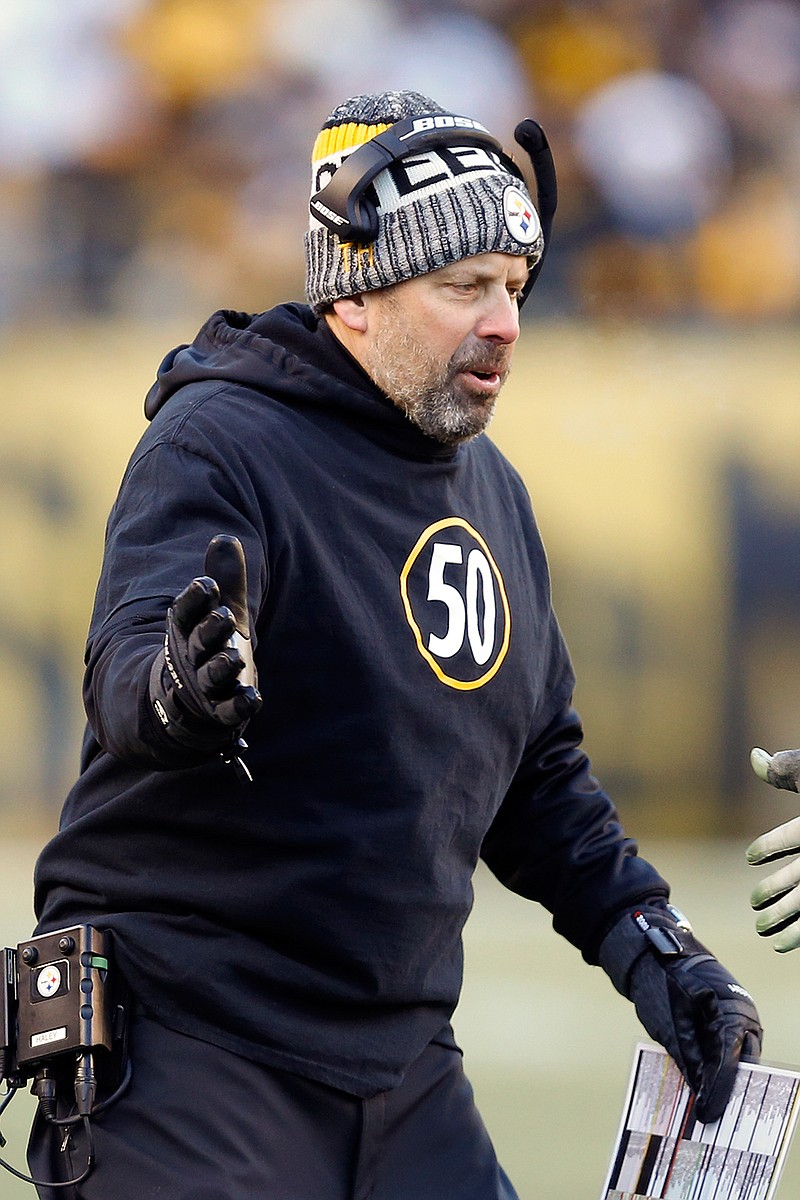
(486,379)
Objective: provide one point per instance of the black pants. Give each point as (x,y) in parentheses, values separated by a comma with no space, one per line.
(200,1123)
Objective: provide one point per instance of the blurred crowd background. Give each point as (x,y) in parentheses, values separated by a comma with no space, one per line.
(154,166)
(156,151)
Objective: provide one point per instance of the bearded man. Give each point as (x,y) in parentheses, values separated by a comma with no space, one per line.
(375,612)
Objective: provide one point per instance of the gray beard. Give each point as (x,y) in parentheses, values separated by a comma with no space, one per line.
(430,398)
(440,413)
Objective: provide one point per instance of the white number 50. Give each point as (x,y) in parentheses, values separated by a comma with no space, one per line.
(464,611)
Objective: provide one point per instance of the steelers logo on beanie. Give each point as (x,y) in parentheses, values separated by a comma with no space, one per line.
(434,207)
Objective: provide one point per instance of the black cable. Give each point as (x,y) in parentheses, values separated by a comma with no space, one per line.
(68,1121)
(48,1183)
(9,1096)
(103,1105)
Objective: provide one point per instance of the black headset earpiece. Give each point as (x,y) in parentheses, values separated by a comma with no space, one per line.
(531,137)
(343,204)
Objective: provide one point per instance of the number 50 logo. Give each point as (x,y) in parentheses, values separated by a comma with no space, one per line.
(456,604)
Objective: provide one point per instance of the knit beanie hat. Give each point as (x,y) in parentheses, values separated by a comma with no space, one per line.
(433,208)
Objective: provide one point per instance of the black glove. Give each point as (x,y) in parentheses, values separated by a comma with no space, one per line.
(203,684)
(685,999)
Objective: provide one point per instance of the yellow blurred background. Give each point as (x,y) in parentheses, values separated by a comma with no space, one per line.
(663,469)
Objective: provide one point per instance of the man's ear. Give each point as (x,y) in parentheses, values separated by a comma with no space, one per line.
(352,312)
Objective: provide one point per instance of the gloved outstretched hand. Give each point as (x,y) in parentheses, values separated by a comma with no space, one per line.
(776,899)
(685,999)
(203,683)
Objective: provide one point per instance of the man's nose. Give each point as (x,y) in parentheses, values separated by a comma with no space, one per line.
(499,322)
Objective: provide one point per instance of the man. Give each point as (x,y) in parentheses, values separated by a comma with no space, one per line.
(293,944)
(776,898)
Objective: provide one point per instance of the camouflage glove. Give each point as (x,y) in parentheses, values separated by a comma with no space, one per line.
(776,898)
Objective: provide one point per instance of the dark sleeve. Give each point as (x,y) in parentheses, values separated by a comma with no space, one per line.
(116,691)
(557,839)
(171,503)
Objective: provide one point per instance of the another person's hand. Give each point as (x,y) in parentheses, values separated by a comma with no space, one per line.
(685,999)
(776,899)
(203,682)
(782,770)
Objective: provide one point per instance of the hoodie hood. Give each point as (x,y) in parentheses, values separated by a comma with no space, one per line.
(290,354)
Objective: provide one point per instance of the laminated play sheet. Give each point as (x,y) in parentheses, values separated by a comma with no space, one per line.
(663,1152)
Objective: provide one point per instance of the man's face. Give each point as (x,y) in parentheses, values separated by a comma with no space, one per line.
(440,345)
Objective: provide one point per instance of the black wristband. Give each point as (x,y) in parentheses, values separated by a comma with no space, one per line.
(178,724)
(640,931)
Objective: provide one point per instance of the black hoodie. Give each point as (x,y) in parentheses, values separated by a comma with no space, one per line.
(416,715)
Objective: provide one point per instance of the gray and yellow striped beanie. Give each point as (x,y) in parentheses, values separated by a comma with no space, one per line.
(433,208)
